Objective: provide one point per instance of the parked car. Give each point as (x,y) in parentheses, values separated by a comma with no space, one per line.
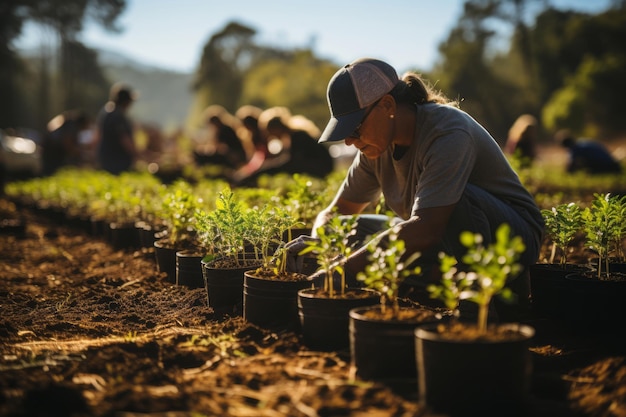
(19,155)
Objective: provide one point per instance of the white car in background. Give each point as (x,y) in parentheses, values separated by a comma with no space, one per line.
(19,155)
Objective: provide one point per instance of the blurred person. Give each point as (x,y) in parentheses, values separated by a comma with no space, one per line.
(61,143)
(522,139)
(293,142)
(115,140)
(154,142)
(224,147)
(251,133)
(440,172)
(587,155)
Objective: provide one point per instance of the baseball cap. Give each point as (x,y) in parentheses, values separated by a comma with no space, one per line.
(351,90)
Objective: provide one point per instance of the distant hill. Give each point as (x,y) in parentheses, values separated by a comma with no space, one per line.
(165,96)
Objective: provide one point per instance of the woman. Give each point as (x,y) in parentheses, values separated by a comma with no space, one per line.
(438,170)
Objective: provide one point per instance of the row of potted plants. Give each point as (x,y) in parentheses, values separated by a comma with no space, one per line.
(246,237)
(587,292)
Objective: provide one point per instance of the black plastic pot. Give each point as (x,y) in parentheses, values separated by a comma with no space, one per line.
(324,321)
(166,260)
(224,287)
(595,305)
(124,235)
(272,303)
(147,233)
(548,287)
(189,269)
(384,349)
(474,377)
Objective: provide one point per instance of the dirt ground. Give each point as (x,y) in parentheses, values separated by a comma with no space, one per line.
(89,331)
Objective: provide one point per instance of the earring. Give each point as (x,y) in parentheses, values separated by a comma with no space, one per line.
(391,116)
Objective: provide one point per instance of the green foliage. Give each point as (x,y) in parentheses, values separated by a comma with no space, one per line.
(585,104)
(604,226)
(266,228)
(331,248)
(387,269)
(306,197)
(563,222)
(454,286)
(234,226)
(295,79)
(178,209)
(565,108)
(77,81)
(488,270)
(230,223)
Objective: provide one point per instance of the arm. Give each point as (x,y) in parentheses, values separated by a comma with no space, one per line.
(421,232)
(342,206)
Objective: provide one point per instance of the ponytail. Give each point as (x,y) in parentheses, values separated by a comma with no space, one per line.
(412,89)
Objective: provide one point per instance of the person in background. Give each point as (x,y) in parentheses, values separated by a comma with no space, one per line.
(251,134)
(439,171)
(293,142)
(522,139)
(116,149)
(61,143)
(223,147)
(586,155)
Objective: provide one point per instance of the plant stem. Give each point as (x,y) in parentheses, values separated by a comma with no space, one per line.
(483,310)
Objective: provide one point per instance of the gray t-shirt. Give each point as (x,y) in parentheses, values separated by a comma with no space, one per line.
(450,150)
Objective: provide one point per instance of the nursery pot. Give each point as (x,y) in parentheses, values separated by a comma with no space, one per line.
(99,227)
(596,304)
(548,287)
(189,269)
(124,235)
(382,348)
(474,377)
(324,321)
(146,233)
(166,260)
(224,286)
(272,303)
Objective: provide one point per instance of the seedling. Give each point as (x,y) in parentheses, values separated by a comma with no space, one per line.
(265,231)
(178,209)
(488,270)
(563,222)
(387,270)
(332,247)
(454,286)
(604,224)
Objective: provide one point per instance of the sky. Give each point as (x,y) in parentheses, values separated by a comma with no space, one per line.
(170,34)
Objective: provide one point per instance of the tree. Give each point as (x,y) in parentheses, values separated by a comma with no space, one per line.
(13,14)
(465,72)
(234,70)
(297,81)
(581,61)
(65,18)
(85,83)
(588,103)
(224,60)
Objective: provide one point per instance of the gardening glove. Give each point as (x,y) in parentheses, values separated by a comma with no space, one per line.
(295,261)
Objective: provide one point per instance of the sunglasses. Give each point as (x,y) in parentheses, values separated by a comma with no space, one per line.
(357,134)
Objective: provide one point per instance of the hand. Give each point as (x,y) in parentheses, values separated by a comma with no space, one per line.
(295,261)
